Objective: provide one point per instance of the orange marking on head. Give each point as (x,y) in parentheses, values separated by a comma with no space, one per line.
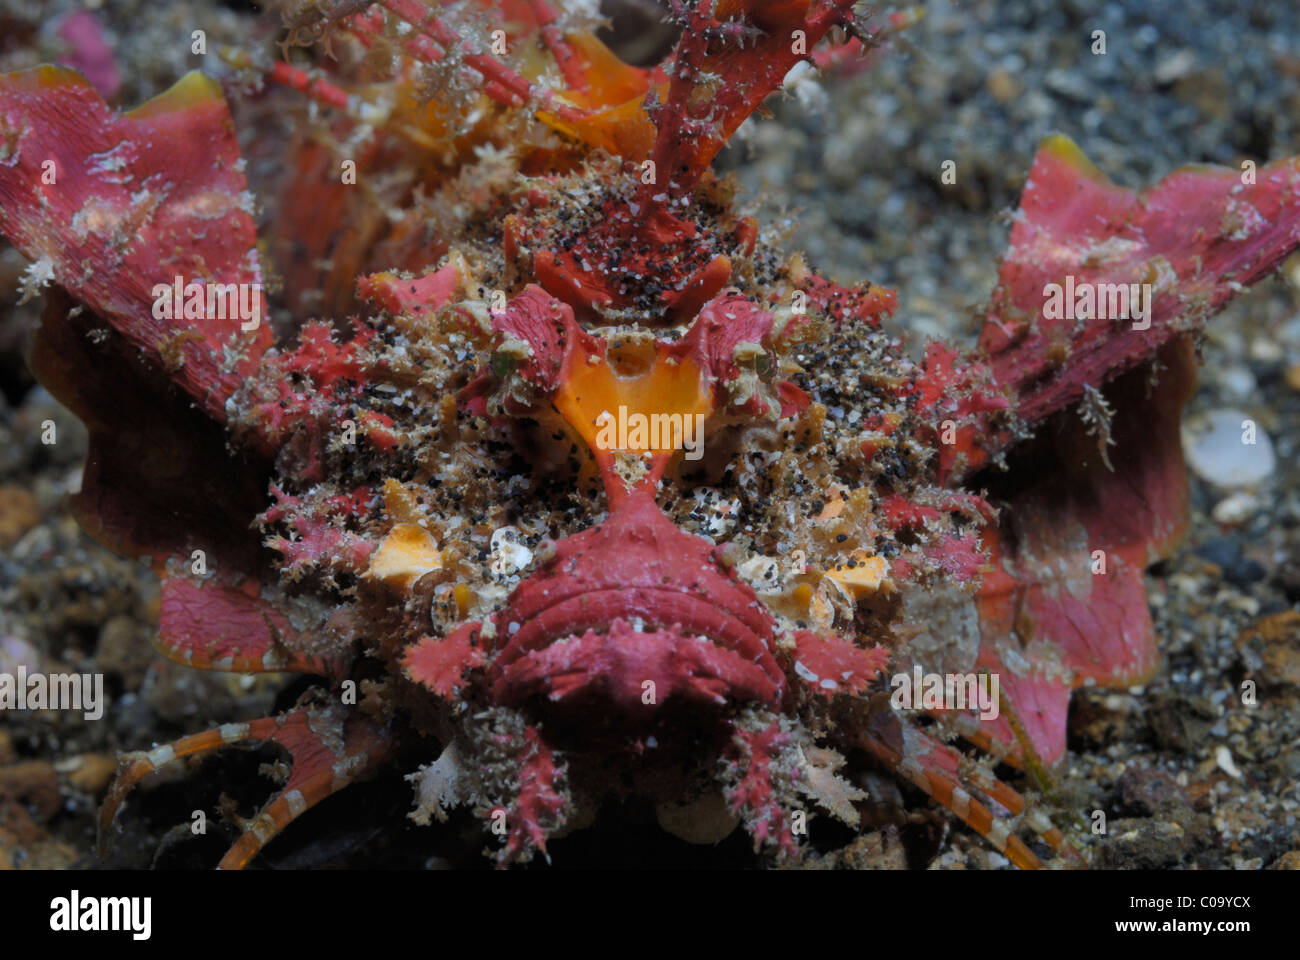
(635,398)
(659,389)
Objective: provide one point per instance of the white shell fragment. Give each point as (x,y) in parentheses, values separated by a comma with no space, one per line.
(509,556)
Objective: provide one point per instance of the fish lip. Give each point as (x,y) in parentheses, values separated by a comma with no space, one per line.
(660,608)
(619,663)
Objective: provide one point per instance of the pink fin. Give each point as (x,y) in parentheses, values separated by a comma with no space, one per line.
(217,626)
(832,665)
(440,664)
(1198,238)
(137,200)
(1064,603)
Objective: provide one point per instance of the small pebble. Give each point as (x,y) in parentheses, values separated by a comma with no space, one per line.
(1235,508)
(1264,351)
(1001,85)
(1234,566)
(1215,447)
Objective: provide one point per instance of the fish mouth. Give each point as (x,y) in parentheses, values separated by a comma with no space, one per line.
(637,611)
(635,668)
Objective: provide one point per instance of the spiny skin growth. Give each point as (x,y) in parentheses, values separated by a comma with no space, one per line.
(535,471)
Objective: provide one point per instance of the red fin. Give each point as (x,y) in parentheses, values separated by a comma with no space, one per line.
(138,199)
(419,296)
(829,665)
(217,626)
(1051,619)
(440,664)
(1198,237)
